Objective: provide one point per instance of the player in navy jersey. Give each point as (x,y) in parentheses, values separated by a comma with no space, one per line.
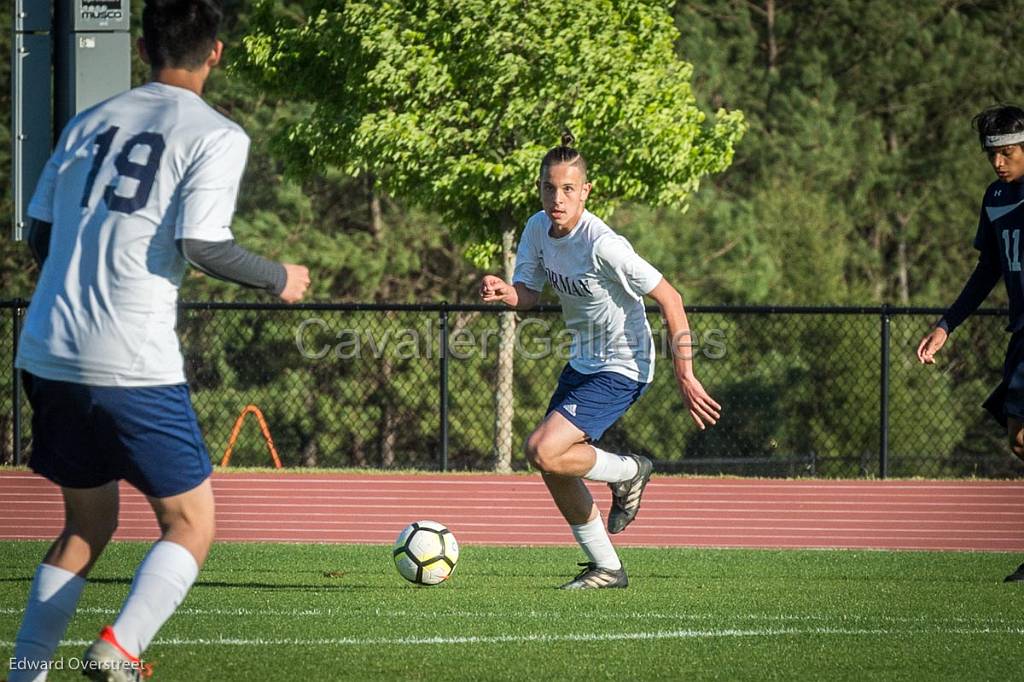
(136,187)
(998,240)
(601,283)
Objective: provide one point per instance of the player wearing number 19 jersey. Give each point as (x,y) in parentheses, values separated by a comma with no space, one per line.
(129,178)
(998,241)
(136,187)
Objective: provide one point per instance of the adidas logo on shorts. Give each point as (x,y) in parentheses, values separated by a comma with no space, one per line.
(571,409)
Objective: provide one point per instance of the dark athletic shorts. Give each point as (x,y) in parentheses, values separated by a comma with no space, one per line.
(86,436)
(1007,400)
(593,402)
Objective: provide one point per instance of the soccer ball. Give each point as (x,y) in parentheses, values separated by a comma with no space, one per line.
(425,553)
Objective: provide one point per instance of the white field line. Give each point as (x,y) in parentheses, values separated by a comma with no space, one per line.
(547,639)
(952,622)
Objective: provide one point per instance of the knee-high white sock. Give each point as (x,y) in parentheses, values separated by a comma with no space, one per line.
(160,585)
(593,538)
(611,468)
(52,600)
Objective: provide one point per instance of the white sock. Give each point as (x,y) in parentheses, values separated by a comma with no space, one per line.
(52,600)
(161,583)
(611,468)
(593,538)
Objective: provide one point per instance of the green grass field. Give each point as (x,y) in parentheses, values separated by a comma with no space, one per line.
(337,612)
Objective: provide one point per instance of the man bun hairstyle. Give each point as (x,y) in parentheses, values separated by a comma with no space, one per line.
(180,33)
(1000,126)
(564,153)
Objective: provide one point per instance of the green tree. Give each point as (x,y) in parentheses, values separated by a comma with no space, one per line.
(451,105)
(859,182)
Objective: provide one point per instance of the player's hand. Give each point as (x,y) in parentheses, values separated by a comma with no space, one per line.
(296,283)
(930,345)
(496,290)
(703,409)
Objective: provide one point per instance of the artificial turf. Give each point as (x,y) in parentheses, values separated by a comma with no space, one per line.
(341,612)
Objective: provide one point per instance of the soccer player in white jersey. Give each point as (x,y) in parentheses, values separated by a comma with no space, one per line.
(136,186)
(998,241)
(601,283)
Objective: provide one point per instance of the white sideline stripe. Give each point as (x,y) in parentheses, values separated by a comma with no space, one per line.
(937,623)
(582,637)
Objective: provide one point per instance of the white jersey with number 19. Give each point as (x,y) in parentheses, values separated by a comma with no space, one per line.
(128,178)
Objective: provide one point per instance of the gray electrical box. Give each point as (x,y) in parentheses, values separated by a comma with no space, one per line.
(66,56)
(98,15)
(93,66)
(92,54)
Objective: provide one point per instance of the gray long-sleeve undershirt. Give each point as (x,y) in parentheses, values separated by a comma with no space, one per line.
(224,260)
(228,261)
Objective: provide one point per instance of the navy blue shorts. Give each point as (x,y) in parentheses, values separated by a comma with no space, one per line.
(593,402)
(1007,400)
(86,436)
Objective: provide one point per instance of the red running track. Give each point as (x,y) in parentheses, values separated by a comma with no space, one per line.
(516,510)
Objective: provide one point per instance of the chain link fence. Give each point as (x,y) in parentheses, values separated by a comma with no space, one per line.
(828,392)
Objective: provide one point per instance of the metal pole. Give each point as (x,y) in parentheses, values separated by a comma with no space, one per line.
(16,312)
(883,445)
(444,386)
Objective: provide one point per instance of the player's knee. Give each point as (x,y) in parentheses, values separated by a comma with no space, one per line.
(540,456)
(1017,448)
(531,449)
(195,524)
(96,532)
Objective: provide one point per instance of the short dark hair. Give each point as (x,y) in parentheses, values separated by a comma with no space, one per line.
(180,33)
(564,153)
(1002,119)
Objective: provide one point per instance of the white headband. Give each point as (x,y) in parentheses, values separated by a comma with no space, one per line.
(1003,140)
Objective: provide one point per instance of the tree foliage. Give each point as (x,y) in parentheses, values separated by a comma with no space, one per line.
(451,105)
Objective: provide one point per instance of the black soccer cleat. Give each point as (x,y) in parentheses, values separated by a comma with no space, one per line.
(594,578)
(626,496)
(1015,577)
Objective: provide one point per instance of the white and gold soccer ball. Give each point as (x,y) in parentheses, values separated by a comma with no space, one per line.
(426,552)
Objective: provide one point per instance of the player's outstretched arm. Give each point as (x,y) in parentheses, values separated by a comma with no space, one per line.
(704,410)
(985,276)
(496,290)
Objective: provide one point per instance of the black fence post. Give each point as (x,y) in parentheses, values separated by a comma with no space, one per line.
(883,445)
(444,386)
(16,312)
